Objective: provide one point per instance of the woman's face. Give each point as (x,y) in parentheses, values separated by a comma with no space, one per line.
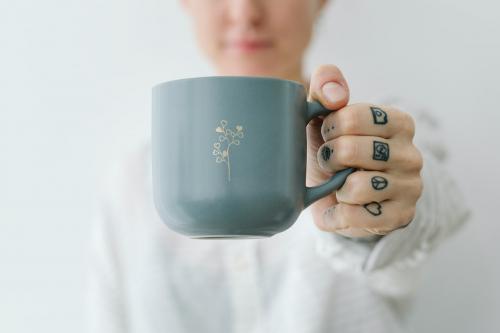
(254,37)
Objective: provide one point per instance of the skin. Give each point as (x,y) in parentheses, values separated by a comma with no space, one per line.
(380,144)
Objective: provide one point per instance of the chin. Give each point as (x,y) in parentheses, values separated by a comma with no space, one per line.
(256,69)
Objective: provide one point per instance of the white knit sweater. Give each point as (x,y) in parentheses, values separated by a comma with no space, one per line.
(144,278)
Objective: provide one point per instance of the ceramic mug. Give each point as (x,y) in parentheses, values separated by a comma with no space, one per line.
(229,155)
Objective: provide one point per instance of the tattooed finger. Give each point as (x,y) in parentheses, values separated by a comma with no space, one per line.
(383,216)
(368,152)
(368,119)
(362,187)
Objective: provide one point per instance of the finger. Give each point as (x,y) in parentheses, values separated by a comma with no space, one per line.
(362,187)
(356,233)
(370,153)
(368,119)
(375,217)
(329,87)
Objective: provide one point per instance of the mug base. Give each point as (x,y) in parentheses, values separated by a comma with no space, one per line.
(225,233)
(229,236)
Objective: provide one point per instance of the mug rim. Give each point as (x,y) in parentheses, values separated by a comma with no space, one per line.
(230,77)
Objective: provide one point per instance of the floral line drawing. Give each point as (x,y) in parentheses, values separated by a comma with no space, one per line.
(231,138)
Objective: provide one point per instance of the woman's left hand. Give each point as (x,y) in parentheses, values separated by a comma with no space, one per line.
(376,139)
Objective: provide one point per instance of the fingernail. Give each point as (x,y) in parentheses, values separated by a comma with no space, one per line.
(333,91)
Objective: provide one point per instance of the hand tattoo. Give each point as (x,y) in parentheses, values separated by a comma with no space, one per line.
(329,128)
(379,183)
(379,116)
(326,152)
(380,151)
(373,208)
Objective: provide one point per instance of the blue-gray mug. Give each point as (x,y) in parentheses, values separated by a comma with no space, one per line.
(229,155)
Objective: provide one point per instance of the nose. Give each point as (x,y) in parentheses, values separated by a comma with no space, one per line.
(248,12)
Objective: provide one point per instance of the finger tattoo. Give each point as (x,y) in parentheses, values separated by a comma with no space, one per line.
(329,211)
(380,151)
(326,152)
(328,129)
(379,183)
(373,208)
(328,214)
(379,116)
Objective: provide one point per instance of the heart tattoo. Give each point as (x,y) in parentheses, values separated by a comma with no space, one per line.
(374,208)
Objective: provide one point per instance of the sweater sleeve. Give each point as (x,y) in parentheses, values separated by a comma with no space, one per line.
(104,291)
(391,263)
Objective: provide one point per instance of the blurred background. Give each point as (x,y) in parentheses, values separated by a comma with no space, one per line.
(75,79)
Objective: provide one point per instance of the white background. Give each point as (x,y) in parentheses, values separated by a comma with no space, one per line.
(75,80)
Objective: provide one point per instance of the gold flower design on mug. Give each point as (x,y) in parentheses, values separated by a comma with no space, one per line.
(230,137)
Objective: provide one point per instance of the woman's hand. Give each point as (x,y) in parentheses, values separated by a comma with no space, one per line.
(377,139)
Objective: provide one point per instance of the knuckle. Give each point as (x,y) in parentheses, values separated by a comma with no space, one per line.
(396,220)
(347,150)
(408,124)
(407,216)
(412,159)
(418,160)
(411,188)
(419,188)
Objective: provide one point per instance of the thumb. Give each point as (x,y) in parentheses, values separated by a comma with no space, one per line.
(329,87)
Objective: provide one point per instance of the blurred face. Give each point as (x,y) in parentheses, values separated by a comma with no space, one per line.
(254,37)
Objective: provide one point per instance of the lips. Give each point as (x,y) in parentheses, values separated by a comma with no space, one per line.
(248,45)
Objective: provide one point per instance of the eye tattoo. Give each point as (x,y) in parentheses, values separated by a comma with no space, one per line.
(380,151)
(379,183)
(374,208)
(326,153)
(379,116)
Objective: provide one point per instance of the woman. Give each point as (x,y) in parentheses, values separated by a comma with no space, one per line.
(347,265)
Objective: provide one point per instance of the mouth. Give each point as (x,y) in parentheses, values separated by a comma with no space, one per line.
(248,46)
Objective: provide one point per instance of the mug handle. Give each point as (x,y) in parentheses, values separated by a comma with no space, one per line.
(312,194)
